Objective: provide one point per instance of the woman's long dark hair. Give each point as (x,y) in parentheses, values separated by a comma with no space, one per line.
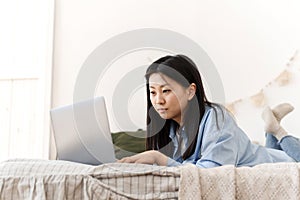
(184,71)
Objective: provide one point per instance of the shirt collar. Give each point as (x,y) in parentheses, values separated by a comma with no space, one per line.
(172,133)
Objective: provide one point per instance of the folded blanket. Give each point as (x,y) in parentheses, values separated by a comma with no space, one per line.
(265,181)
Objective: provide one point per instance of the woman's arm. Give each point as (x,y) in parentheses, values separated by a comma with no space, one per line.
(147,157)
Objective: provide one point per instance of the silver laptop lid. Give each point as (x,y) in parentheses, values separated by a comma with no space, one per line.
(82,132)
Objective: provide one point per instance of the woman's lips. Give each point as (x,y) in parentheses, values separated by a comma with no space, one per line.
(162,110)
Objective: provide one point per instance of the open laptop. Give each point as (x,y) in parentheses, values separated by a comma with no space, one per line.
(82,133)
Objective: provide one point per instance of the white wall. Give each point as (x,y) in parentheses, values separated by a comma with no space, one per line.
(250,42)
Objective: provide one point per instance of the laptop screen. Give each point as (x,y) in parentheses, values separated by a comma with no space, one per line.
(82,134)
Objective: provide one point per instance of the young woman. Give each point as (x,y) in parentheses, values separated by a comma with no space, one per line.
(184,127)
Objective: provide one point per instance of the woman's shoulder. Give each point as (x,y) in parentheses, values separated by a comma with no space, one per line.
(218,122)
(216,109)
(218,112)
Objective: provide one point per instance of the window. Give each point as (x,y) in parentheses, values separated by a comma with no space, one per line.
(26,39)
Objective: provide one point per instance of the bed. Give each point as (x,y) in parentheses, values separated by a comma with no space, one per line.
(53,179)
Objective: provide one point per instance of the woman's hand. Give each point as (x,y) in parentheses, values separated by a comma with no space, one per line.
(147,157)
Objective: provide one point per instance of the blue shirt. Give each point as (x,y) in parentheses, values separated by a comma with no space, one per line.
(223,144)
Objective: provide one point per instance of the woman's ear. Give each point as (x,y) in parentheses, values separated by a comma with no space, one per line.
(191,91)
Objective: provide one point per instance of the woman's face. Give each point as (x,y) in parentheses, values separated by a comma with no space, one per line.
(169,98)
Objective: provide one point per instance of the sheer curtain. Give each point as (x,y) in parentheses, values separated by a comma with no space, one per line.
(26,43)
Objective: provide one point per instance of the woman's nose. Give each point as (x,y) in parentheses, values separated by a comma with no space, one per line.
(159,99)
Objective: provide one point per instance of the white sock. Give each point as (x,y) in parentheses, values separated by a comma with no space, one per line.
(282,110)
(272,124)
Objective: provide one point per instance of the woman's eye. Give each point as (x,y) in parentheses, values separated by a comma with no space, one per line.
(152,92)
(166,91)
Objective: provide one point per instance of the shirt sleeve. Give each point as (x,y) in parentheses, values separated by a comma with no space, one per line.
(200,163)
(207,164)
(173,163)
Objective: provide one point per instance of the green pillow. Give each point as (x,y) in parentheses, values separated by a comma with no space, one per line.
(129,143)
